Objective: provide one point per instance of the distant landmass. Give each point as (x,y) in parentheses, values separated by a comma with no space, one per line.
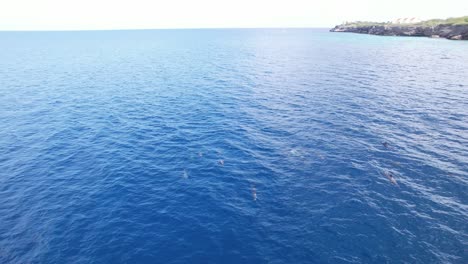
(452,28)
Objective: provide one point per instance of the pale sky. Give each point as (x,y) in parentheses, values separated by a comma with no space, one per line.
(147,14)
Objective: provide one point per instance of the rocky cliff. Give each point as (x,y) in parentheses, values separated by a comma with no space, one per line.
(454,32)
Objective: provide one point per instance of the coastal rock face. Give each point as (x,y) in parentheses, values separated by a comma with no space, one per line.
(454,32)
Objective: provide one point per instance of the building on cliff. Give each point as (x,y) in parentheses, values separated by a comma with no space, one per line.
(406,20)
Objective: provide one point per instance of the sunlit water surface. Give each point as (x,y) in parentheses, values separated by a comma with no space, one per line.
(112,147)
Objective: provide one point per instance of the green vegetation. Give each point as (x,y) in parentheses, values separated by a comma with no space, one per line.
(449,21)
(365,24)
(428,23)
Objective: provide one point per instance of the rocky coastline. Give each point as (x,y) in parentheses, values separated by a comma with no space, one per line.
(453,32)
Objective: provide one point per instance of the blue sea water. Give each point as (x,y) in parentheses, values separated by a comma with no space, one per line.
(232,146)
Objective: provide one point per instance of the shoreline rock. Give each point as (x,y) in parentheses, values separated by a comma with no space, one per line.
(452,32)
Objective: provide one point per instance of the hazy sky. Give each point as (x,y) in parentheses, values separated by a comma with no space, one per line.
(119,14)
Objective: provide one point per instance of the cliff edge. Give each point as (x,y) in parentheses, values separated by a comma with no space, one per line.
(432,28)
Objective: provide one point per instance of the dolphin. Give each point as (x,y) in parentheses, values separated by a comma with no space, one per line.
(254,193)
(390,177)
(320,156)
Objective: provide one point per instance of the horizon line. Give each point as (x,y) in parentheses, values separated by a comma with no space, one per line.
(175,28)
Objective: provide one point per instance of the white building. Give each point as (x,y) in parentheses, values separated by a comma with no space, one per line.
(406,20)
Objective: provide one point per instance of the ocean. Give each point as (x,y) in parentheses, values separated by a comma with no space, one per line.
(232,146)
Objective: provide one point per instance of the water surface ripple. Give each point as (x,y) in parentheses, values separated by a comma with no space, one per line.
(148,146)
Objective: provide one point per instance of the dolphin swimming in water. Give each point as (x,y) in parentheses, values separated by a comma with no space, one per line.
(320,156)
(221,162)
(385,144)
(254,193)
(390,177)
(294,152)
